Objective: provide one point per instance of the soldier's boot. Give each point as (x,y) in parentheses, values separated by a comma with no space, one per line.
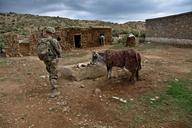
(54,91)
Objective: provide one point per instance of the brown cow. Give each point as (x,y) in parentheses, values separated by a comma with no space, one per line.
(129,59)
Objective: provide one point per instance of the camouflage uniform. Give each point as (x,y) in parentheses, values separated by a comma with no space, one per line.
(52,62)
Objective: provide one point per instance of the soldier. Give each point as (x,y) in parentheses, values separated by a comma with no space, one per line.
(49,50)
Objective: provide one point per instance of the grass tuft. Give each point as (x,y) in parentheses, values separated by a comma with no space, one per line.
(181,91)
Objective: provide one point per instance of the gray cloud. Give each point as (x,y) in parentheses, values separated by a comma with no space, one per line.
(108,10)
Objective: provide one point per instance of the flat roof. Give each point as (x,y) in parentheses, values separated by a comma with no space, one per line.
(175,15)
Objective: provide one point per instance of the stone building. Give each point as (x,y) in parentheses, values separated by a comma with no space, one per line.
(80,37)
(71,37)
(174,29)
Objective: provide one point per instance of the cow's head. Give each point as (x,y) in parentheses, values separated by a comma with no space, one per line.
(97,57)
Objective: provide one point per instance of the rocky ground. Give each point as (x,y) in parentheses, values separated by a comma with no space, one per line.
(92,103)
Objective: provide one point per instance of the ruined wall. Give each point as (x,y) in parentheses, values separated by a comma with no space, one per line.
(16,46)
(11,44)
(176,29)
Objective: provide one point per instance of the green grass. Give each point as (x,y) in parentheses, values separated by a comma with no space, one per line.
(181,92)
(1,42)
(3,62)
(127,106)
(172,103)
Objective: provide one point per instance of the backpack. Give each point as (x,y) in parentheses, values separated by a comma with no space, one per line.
(45,50)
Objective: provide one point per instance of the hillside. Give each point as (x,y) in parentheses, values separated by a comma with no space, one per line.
(26,23)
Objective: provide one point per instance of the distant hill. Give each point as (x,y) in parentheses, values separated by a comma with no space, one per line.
(24,24)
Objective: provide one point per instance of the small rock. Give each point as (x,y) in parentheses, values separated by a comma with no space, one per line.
(65,109)
(131,99)
(63,103)
(97,92)
(45,85)
(119,99)
(145,61)
(29,73)
(152,99)
(53,109)
(157,97)
(82,86)
(31,126)
(43,76)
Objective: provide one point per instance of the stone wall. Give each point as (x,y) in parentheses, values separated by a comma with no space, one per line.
(175,29)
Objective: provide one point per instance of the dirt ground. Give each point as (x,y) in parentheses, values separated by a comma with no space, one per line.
(24,89)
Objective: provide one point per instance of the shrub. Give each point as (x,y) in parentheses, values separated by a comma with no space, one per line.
(1,43)
(142,37)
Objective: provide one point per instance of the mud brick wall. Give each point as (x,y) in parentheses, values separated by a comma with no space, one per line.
(24,49)
(89,36)
(11,45)
(16,46)
(175,29)
(33,43)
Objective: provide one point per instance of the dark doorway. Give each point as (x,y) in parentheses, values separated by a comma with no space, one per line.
(77,39)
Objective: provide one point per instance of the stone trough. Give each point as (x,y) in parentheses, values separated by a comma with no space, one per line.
(81,71)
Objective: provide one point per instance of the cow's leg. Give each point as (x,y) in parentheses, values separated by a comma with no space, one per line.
(132,78)
(109,71)
(137,74)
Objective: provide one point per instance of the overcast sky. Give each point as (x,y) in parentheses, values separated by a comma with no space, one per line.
(107,10)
